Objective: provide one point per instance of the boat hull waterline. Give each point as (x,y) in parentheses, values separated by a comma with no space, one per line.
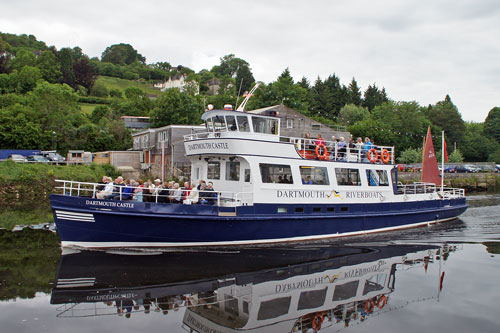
(137,224)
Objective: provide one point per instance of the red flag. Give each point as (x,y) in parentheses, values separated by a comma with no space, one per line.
(444,148)
(430,170)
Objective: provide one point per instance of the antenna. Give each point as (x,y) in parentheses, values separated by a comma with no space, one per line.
(247,97)
(239,92)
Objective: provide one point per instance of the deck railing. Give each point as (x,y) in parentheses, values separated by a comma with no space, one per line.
(423,188)
(163,195)
(332,150)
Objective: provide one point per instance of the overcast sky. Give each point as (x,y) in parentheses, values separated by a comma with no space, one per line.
(418,50)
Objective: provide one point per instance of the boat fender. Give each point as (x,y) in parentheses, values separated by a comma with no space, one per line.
(386,156)
(369,305)
(372,155)
(321,155)
(318,321)
(382,301)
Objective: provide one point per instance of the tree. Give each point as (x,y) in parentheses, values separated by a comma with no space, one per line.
(455,157)
(174,107)
(373,97)
(121,54)
(328,97)
(410,156)
(49,67)
(492,124)
(351,113)
(23,58)
(84,73)
(65,57)
(354,93)
(27,79)
(479,146)
(445,115)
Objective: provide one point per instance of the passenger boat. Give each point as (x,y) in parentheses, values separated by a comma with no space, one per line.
(290,289)
(270,189)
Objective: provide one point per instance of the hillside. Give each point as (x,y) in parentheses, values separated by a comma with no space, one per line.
(122,84)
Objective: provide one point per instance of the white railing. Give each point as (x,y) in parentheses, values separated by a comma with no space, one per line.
(423,188)
(334,151)
(155,195)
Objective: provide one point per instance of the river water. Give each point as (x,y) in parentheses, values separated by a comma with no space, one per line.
(442,278)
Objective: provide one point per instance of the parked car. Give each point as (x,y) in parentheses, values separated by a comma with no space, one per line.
(450,168)
(465,169)
(497,168)
(18,158)
(53,156)
(37,159)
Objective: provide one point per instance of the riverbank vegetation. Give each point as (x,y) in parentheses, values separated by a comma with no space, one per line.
(44,90)
(25,189)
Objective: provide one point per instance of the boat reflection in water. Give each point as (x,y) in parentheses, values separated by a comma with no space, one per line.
(266,290)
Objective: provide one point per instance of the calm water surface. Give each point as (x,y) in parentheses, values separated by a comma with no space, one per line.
(443,278)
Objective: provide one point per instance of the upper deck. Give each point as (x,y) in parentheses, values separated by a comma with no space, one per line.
(241,133)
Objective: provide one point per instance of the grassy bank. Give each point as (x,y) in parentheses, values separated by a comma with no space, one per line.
(25,189)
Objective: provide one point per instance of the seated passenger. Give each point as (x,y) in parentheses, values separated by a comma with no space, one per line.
(342,149)
(108,189)
(211,195)
(128,191)
(193,196)
(137,194)
(175,194)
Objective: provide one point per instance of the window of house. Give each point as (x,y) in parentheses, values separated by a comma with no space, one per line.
(377,177)
(233,171)
(347,177)
(231,123)
(289,123)
(213,170)
(276,173)
(315,127)
(314,175)
(243,123)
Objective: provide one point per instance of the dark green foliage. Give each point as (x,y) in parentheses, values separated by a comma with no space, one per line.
(492,124)
(476,146)
(374,97)
(174,107)
(121,54)
(445,115)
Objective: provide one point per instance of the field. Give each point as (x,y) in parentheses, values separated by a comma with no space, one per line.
(121,84)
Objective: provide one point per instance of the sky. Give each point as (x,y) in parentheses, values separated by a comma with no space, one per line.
(417,50)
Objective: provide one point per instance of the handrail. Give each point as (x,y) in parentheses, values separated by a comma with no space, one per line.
(86,189)
(424,188)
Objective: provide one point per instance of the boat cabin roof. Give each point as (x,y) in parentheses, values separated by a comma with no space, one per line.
(238,121)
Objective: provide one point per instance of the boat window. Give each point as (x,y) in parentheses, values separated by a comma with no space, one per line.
(243,123)
(276,173)
(209,125)
(314,175)
(265,125)
(219,124)
(349,177)
(312,299)
(316,209)
(330,209)
(374,283)
(213,170)
(274,308)
(231,305)
(247,175)
(231,123)
(299,209)
(345,291)
(245,307)
(282,210)
(233,171)
(377,177)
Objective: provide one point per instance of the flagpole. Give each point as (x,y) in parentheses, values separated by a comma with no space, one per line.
(442,162)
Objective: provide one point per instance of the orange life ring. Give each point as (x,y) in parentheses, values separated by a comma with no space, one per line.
(371,152)
(369,305)
(386,156)
(321,156)
(318,321)
(382,301)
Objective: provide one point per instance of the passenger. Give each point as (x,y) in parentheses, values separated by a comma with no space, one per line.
(202,182)
(319,140)
(185,192)
(193,196)
(359,147)
(128,191)
(102,184)
(202,194)
(211,195)
(138,195)
(342,149)
(175,194)
(146,192)
(158,188)
(366,147)
(108,189)
(308,142)
(116,189)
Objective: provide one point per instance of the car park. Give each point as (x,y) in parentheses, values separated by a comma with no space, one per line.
(18,158)
(53,156)
(465,169)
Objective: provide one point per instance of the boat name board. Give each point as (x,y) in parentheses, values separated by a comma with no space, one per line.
(208,146)
(326,279)
(109,204)
(111,297)
(195,324)
(318,194)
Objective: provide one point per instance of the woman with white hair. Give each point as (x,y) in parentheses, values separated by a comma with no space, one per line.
(108,189)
